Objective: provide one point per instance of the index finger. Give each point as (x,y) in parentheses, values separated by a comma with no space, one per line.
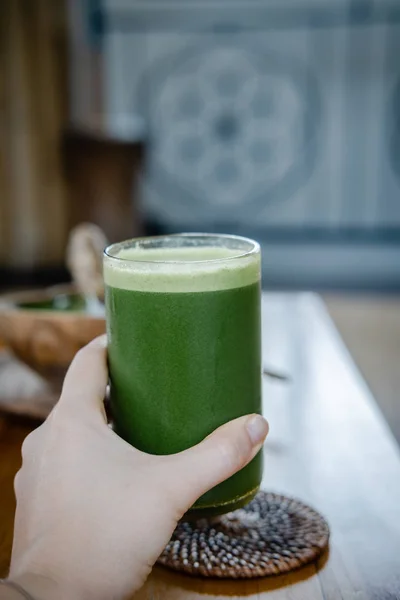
(86,379)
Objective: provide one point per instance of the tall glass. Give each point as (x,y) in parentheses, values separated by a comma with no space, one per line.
(184,340)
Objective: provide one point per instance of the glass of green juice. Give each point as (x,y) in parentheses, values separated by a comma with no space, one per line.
(184,346)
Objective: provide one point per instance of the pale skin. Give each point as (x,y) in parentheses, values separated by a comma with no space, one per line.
(93,513)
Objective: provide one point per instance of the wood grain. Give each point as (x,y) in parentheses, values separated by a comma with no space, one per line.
(328,446)
(12,433)
(370,327)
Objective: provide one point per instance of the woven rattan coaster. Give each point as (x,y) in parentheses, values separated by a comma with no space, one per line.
(273,534)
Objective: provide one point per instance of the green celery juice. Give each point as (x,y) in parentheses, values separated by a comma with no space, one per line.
(183,322)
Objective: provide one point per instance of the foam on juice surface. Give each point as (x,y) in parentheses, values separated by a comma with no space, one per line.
(181,269)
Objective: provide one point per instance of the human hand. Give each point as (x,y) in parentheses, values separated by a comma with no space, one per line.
(93,513)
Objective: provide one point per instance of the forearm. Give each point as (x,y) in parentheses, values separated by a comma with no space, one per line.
(9,593)
(11,590)
(32,587)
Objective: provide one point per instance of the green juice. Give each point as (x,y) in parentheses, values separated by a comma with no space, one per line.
(184,352)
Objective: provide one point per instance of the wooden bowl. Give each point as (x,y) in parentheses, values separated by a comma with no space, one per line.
(40,332)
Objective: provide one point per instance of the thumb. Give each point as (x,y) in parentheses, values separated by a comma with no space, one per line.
(86,380)
(220,455)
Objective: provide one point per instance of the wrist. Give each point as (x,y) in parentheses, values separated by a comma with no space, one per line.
(40,587)
(9,590)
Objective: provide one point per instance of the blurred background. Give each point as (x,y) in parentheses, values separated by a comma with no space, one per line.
(278,120)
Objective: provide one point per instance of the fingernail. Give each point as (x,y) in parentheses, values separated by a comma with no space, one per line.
(257,428)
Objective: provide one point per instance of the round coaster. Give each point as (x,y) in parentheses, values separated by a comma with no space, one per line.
(273,534)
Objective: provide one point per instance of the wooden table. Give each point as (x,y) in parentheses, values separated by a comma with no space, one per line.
(328,446)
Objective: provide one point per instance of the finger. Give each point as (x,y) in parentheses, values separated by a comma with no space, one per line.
(220,455)
(86,380)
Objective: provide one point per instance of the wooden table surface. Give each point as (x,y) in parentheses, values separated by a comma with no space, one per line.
(328,445)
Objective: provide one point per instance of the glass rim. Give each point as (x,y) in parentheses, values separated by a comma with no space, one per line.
(255,248)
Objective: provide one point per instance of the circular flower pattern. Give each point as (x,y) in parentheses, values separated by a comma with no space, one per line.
(230,126)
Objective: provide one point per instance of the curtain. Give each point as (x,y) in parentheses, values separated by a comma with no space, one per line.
(33,96)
